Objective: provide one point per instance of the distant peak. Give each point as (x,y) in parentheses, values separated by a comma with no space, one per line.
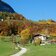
(4,7)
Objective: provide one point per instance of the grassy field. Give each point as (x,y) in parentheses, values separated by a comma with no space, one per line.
(47,50)
(7,48)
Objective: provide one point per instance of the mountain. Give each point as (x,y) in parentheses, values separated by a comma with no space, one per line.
(14,23)
(4,7)
(47,27)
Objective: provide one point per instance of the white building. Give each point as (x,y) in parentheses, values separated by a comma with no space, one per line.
(42,37)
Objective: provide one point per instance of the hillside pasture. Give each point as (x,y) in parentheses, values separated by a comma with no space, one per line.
(7,48)
(46,50)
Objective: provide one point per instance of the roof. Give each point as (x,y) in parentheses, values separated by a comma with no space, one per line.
(39,35)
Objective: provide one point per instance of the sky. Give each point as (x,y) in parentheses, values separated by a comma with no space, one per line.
(34,9)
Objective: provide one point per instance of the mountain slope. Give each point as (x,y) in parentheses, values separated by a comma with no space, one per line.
(14,23)
(4,7)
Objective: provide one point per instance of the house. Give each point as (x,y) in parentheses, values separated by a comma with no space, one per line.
(41,36)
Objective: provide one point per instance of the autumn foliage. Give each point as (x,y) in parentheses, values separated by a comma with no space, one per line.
(13,23)
(25,36)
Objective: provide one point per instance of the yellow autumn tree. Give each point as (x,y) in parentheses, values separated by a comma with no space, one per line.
(25,36)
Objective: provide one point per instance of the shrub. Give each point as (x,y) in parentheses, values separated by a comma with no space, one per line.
(37,41)
(25,36)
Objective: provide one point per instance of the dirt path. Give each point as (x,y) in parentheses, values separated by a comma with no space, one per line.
(21,52)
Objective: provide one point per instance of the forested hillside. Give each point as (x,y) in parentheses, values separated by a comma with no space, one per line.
(13,23)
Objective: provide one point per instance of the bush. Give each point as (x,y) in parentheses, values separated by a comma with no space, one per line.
(37,41)
(25,36)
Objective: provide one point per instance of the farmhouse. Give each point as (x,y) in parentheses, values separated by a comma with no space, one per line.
(41,36)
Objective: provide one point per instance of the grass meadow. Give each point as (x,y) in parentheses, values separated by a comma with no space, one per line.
(7,48)
(47,50)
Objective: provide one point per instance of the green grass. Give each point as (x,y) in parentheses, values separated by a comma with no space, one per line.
(47,50)
(7,48)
